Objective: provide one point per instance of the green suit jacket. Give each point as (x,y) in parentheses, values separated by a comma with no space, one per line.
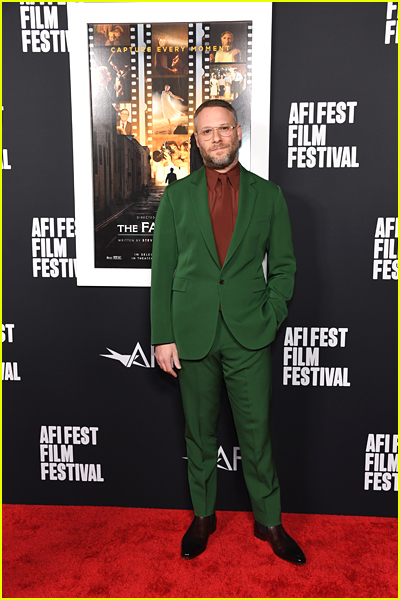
(188,285)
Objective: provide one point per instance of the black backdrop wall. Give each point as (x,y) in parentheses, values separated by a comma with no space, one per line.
(80,428)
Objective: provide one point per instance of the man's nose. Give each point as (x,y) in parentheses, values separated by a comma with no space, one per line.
(216,134)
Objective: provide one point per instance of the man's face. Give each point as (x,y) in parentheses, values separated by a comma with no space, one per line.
(227,39)
(218,152)
(124,114)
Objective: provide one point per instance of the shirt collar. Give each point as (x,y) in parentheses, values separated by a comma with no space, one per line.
(233,176)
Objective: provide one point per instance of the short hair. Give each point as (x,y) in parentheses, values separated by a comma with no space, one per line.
(214,104)
(222,34)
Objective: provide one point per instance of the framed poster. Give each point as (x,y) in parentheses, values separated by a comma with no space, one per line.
(138,73)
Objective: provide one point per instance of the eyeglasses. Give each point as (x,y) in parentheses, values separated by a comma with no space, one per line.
(223,130)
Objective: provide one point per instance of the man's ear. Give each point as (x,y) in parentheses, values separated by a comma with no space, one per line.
(197,141)
(239,131)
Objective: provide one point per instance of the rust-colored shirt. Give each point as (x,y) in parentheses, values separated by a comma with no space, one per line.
(223,202)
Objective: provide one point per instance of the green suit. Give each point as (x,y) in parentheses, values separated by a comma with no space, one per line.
(188,289)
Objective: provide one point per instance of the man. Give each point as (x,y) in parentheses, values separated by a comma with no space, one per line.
(125,126)
(228,54)
(214,315)
(237,83)
(171,177)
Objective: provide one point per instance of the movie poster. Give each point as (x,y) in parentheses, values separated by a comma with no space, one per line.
(146,81)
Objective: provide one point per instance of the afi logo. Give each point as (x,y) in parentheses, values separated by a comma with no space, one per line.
(137,358)
(223,461)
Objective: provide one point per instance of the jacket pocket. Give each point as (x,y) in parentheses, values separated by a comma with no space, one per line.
(258,285)
(179,284)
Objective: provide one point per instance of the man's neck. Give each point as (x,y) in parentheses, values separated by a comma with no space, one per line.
(231,166)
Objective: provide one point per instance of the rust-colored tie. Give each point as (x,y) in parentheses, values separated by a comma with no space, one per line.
(223,221)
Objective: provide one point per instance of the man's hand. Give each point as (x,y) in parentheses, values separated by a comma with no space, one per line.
(163,354)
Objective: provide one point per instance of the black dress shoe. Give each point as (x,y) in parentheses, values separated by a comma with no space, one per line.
(194,542)
(281,543)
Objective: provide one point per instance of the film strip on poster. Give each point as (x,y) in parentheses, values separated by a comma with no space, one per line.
(146,80)
(146,83)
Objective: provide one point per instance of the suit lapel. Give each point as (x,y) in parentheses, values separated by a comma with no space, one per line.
(247,199)
(199,197)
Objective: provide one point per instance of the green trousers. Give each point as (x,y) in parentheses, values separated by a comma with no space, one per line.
(247,374)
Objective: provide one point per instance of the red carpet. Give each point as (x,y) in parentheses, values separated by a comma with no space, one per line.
(96,552)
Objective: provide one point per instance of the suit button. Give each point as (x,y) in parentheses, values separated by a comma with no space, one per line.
(221,281)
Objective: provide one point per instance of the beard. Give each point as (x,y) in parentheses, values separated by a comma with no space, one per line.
(212,161)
